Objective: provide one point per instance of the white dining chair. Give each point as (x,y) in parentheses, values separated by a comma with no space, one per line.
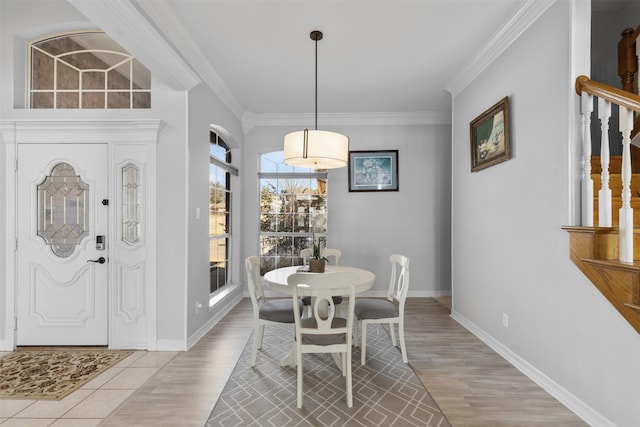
(388,310)
(324,331)
(329,253)
(265,312)
(305,254)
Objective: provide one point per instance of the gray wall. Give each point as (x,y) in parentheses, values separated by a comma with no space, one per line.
(508,250)
(368,227)
(205,110)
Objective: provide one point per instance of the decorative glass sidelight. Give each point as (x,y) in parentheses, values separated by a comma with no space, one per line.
(63,210)
(130,204)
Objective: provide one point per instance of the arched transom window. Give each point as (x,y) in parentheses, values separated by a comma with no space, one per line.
(86,70)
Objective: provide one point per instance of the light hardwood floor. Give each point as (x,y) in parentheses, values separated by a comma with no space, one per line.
(472,384)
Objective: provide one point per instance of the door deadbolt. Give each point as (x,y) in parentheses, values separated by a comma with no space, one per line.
(100,242)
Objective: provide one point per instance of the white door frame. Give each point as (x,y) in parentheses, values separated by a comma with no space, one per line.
(132,315)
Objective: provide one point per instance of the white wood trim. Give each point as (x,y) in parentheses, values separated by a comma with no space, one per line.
(124,22)
(161,15)
(114,133)
(8,143)
(502,39)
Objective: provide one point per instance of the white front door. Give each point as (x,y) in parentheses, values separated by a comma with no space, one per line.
(62,286)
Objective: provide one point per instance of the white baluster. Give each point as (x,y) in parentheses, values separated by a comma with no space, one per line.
(604,195)
(626,212)
(587,182)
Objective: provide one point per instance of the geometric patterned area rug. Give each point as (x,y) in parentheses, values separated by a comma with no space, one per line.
(386,391)
(52,374)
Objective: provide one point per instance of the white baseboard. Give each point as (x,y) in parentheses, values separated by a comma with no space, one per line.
(170,345)
(577,406)
(369,294)
(226,305)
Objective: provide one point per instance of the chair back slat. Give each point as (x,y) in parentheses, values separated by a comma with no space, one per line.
(399,282)
(322,287)
(256,292)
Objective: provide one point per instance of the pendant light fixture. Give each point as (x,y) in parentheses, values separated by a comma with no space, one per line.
(316,149)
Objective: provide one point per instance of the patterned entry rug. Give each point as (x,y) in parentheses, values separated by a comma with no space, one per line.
(386,391)
(52,374)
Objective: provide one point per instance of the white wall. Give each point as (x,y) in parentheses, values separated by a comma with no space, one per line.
(368,227)
(22,21)
(205,109)
(509,252)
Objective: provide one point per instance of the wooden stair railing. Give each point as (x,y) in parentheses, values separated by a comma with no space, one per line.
(615,185)
(627,103)
(628,65)
(605,254)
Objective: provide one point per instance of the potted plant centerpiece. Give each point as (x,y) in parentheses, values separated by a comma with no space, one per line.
(317,261)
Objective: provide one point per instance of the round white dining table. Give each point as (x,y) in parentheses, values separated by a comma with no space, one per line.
(277,279)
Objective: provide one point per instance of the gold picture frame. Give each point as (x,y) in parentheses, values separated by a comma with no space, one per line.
(490,141)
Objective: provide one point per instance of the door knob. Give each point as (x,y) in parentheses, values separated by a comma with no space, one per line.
(100,260)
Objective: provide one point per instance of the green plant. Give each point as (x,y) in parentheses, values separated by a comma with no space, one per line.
(318,221)
(317,250)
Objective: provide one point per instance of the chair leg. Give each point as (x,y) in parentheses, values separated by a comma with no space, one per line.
(349,380)
(299,368)
(392,329)
(403,347)
(256,344)
(357,324)
(363,343)
(260,335)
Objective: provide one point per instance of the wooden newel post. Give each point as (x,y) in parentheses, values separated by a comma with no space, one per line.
(627,60)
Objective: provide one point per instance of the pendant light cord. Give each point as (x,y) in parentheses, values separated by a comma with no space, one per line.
(316,83)
(315,36)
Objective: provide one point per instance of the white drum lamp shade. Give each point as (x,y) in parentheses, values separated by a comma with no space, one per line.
(316,149)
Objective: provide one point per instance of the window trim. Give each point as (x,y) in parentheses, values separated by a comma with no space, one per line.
(216,139)
(127,58)
(288,175)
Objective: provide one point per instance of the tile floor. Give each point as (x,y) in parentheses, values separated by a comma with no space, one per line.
(93,402)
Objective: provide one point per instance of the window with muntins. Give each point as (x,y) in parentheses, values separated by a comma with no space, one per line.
(85,70)
(219,213)
(291,201)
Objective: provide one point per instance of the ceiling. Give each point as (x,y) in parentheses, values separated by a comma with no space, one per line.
(377,56)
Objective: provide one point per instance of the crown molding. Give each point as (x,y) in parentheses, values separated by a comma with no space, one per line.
(251,119)
(501,40)
(81,131)
(165,22)
(125,24)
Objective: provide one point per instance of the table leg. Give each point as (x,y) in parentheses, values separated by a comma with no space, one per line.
(289,359)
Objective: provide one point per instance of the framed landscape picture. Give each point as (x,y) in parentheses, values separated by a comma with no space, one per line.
(373,170)
(490,142)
